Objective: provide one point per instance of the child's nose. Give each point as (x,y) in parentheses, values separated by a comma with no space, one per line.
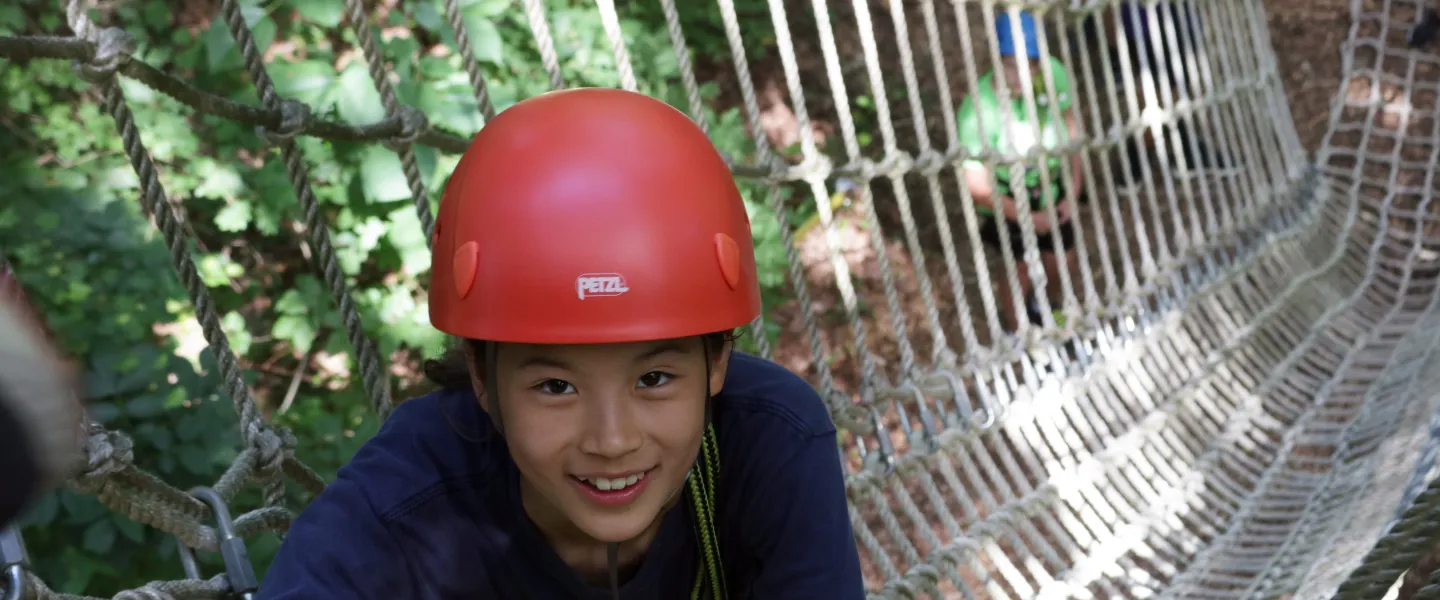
(610,429)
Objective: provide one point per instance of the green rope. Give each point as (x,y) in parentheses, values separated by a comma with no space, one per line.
(702,493)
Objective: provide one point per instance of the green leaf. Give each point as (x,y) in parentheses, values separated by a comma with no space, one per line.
(358,102)
(234,325)
(11,19)
(485,41)
(217,269)
(158,437)
(221,52)
(80,569)
(264,33)
(145,407)
(234,217)
(297,330)
(409,240)
(382,175)
(218,43)
(488,8)
(308,81)
(191,427)
(326,13)
(426,159)
(82,509)
(100,382)
(428,17)
(451,106)
(44,510)
(218,180)
(133,531)
(99,537)
(104,412)
(194,460)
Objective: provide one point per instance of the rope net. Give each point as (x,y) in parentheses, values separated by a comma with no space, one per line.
(1222,397)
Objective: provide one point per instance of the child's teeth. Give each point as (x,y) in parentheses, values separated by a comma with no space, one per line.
(606,485)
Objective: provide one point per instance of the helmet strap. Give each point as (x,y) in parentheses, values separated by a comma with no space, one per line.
(612,556)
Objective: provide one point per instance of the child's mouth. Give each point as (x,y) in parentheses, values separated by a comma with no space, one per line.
(613,490)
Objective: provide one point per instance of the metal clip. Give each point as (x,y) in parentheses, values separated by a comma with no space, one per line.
(238,570)
(14,560)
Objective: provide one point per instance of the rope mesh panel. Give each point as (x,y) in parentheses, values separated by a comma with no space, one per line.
(1216,398)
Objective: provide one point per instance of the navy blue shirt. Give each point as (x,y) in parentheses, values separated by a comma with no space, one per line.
(430,508)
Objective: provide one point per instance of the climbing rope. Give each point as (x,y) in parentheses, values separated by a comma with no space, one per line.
(1214,400)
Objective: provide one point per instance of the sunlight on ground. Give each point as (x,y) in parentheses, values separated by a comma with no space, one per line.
(1394,102)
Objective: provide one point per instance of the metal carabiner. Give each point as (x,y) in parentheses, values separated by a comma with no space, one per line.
(238,570)
(14,560)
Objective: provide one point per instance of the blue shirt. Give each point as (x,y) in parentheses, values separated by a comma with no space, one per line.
(430,508)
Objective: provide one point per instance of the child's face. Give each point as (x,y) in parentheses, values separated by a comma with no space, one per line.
(632,414)
(1011,69)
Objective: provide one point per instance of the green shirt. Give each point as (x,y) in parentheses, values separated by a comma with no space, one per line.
(1021,135)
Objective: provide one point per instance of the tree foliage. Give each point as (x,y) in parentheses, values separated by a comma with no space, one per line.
(102,276)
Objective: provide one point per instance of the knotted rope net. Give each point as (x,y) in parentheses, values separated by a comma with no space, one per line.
(1224,397)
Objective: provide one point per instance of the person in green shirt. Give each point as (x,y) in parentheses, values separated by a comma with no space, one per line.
(984,124)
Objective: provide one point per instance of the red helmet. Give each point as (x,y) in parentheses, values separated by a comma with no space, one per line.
(591,216)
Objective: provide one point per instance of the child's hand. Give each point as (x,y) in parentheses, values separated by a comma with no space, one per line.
(1041,218)
(1064,210)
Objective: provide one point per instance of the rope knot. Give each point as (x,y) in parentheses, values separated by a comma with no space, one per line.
(106,453)
(413,124)
(896,164)
(113,47)
(271,449)
(930,162)
(294,118)
(814,166)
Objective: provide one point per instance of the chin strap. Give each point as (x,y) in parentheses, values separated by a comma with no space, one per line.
(612,556)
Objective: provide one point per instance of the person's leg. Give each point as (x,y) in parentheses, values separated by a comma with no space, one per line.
(1005,300)
(1027,287)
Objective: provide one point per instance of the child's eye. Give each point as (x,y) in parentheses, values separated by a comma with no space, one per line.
(555,386)
(655,379)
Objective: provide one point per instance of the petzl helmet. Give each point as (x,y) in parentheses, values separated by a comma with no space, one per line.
(591,216)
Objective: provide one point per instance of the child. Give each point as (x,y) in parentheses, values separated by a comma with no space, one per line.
(596,436)
(981,114)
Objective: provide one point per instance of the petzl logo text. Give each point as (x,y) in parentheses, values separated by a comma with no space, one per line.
(591,285)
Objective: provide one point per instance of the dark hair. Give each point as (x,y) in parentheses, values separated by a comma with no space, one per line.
(451,370)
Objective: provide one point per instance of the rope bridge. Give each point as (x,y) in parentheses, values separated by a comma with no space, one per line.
(1223,398)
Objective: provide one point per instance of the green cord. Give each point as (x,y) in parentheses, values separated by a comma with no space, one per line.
(702,500)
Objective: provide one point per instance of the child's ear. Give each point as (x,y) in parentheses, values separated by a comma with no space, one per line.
(720,367)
